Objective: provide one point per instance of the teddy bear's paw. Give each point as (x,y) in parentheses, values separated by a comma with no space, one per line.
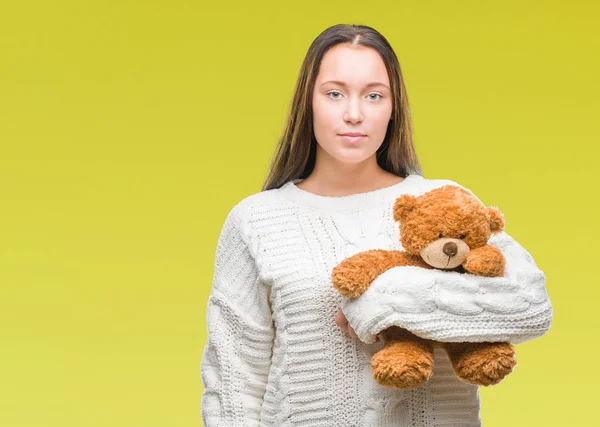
(402,365)
(351,278)
(484,364)
(485,261)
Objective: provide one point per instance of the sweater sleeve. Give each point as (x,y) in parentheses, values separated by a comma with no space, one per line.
(237,356)
(457,307)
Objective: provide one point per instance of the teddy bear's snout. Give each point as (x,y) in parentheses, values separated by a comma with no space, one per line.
(445,253)
(450,249)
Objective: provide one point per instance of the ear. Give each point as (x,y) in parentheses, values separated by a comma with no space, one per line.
(496,219)
(403,206)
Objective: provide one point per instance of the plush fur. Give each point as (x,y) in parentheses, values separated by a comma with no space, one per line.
(446,228)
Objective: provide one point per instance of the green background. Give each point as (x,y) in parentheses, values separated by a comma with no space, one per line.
(129,129)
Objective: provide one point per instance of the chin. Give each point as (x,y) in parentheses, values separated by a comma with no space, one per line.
(350,155)
(352,159)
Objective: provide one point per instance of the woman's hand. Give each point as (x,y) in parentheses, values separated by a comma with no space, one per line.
(342,322)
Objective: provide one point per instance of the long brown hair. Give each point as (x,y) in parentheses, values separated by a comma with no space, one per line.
(295,153)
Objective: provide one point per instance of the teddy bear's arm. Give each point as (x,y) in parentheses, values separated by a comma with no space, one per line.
(353,276)
(485,261)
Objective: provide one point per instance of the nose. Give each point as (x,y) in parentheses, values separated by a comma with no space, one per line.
(450,249)
(353,113)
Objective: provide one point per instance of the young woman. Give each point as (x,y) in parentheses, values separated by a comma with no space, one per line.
(275,355)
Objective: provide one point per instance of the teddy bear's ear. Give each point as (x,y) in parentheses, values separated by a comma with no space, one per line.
(496,219)
(403,206)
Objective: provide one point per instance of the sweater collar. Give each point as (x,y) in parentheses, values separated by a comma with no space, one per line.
(352,202)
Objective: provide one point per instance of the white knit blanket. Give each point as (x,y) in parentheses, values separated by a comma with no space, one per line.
(451,306)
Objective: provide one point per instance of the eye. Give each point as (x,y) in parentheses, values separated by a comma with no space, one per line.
(334,91)
(376,94)
(440,235)
(462,236)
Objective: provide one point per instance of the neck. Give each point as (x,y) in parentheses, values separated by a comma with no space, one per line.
(337,179)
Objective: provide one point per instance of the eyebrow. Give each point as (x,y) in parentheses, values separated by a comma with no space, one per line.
(373,84)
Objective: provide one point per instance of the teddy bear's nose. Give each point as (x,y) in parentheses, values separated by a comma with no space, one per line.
(450,249)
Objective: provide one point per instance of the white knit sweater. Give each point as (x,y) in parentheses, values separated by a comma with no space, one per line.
(274,355)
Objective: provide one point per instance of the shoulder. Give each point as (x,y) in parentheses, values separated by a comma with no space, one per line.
(433,183)
(246,208)
(255,210)
(423,184)
(249,219)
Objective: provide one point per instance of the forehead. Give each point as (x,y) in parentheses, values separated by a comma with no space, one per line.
(354,65)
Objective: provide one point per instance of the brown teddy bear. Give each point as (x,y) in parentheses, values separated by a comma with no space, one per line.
(445,228)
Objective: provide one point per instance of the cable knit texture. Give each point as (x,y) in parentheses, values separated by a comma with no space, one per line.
(274,355)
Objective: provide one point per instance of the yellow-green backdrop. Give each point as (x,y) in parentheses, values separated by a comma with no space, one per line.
(128,129)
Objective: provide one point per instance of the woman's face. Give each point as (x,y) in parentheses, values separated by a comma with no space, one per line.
(351,95)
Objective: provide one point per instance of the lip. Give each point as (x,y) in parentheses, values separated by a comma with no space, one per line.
(350,138)
(352,134)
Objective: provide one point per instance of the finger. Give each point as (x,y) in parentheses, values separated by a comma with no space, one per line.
(340,320)
(352,332)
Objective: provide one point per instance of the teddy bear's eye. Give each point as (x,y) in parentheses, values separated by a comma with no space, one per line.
(462,236)
(440,235)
